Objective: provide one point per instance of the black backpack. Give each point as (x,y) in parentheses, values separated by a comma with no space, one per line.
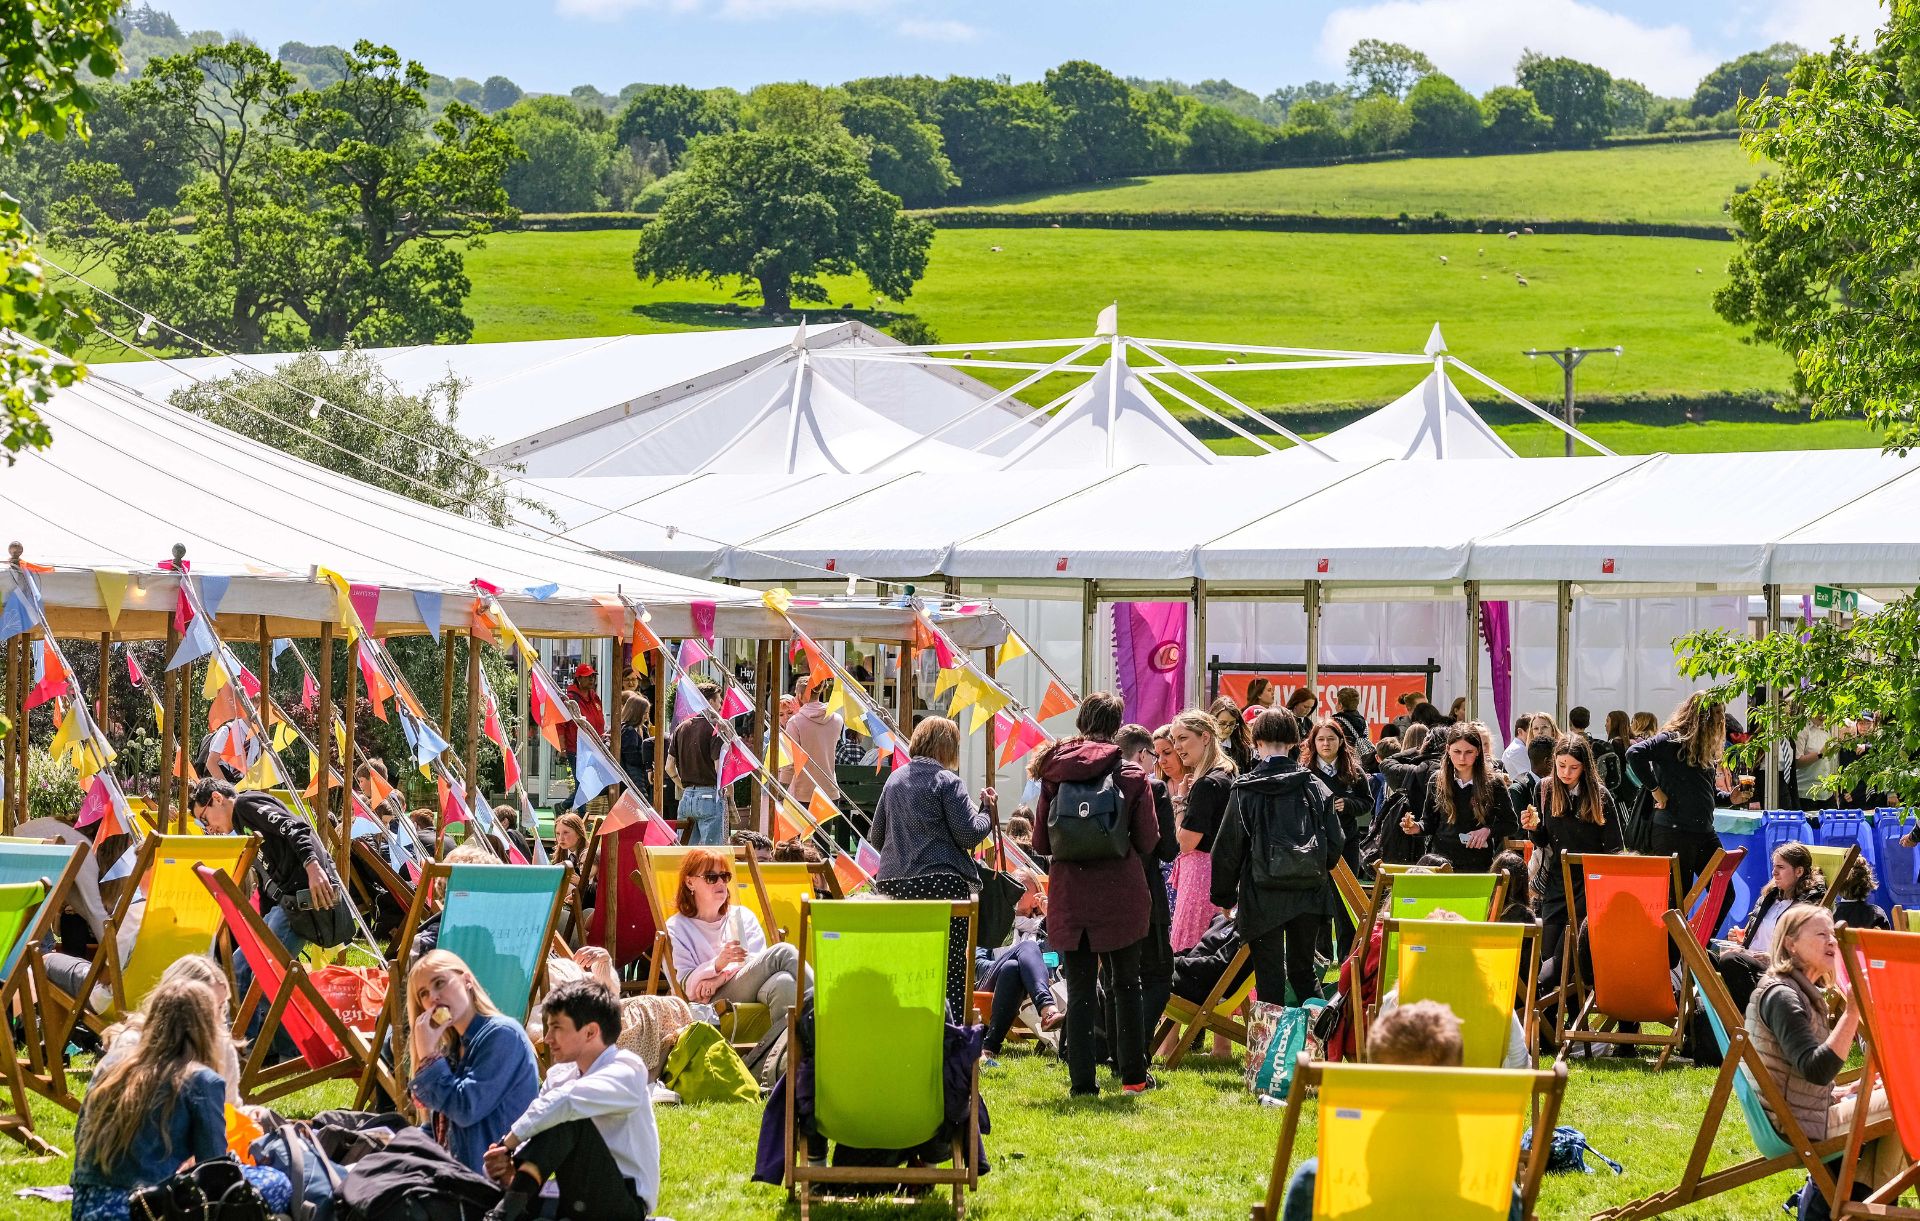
(1087,819)
(1288,850)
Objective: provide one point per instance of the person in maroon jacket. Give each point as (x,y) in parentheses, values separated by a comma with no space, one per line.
(1097,909)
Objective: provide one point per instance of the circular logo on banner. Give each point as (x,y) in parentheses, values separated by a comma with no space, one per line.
(1165,658)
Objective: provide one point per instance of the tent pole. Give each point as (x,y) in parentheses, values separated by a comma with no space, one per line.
(265,676)
(990,654)
(1310,602)
(660,689)
(1197,682)
(1562,640)
(1775,772)
(476,795)
(343,859)
(1089,607)
(1473,652)
(323,730)
(766,720)
(16,729)
(106,676)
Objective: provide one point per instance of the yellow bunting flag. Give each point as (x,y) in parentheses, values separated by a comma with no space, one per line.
(342,596)
(777,599)
(113,593)
(283,735)
(1010,648)
(263,774)
(843,702)
(216,678)
(967,690)
(943,681)
(66,736)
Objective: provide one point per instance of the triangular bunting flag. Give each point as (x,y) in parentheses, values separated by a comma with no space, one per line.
(309,691)
(540,593)
(943,682)
(426,603)
(821,807)
(593,773)
(1055,702)
(702,613)
(97,804)
(736,762)
(284,735)
(733,704)
(134,673)
(692,653)
(366,604)
(197,643)
(1010,648)
(900,756)
(452,808)
(626,812)
(792,755)
(216,680)
(379,690)
(16,617)
(848,874)
(263,774)
(113,593)
(342,595)
(642,643)
(213,591)
(777,599)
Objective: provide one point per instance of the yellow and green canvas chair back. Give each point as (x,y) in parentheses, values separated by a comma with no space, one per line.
(1416,896)
(1438,1144)
(28,861)
(1473,969)
(19,904)
(879,981)
(785,884)
(498,919)
(181,916)
(1828,858)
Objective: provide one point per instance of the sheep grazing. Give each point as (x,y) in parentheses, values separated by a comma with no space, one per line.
(1520,280)
(1512,235)
(1443,260)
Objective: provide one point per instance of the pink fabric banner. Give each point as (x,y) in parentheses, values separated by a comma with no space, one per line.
(1150,659)
(1496,627)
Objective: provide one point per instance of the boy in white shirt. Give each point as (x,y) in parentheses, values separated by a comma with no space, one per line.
(590,1129)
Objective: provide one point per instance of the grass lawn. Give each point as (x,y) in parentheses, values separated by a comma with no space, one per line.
(1649,295)
(1648,183)
(1713,436)
(1199,1148)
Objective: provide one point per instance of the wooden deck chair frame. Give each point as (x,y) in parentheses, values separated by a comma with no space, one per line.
(574,922)
(1832,896)
(40,1066)
(262,1082)
(755,869)
(1363,902)
(431,875)
(1383,897)
(1549,1088)
(963,1175)
(1530,965)
(1215,1015)
(1901,919)
(18,1122)
(63,1012)
(1695,1183)
(1884,1200)
(661,977)
(1567,1032)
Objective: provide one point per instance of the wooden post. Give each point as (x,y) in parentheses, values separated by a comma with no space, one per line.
(1775,769)
(347,710)
(904,717)
(474,793)
(446,680)
(16,732)
(167,714)
(265,702)
(660,689)
(323,729)
(1473,656)
(992,658)
(766,720)
(105,682)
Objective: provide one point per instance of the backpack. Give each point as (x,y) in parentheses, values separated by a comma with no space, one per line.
(1385,840)
(414,1179)
(1087,819)
(1568,1152)
(211,1191)
(291,1148)
(1289,852)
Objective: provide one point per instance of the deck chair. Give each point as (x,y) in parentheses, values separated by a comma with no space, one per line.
(179,918)
(1626,899)
(879,1035)
(1743,1077)
(502,920)
(1416,896)
(781,885)
(622,922)
(56,866)
(368,855)
(329,1049)
(1902,920)
(1709,895)
(1475,970)
(743,1023)
(20,906)
(1435,1143)
(1218,1014)
(1884,968)
(1833,862)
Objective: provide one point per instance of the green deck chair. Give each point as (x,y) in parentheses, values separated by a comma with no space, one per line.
(21,904)
(57,865)
(1473,969)
(1416,896)
(879,996)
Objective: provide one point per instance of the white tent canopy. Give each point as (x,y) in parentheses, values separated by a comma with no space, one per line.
(1111,421)
(1432,420)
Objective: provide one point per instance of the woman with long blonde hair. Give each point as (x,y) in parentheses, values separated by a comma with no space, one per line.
(159,1104)
(1196,739)
(1676,766)
(473,1067)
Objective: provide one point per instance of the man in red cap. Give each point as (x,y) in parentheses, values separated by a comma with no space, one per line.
(585,695)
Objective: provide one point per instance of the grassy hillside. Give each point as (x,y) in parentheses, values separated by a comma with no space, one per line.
(1333,290)
(1648,183)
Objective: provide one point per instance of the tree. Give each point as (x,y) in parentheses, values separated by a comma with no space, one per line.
(1746,77)
(1631,104)
(45,45)
(497,94)
(1379,123)
(671,115)
(156,23)
(1391,68)
(1001,138)
(1442,114)
(792,108)
(1285,98)
(1577,96)
(139,139)
(1311,131)
(1102,132)
(1823,265)
(781,211)
(1513,118)
(562,159)
(904,155)
(1218,138)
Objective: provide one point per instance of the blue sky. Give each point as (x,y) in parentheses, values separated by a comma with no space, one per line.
(552,45)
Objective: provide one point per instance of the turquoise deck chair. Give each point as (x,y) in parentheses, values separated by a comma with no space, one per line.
(20,906)
(879,1022)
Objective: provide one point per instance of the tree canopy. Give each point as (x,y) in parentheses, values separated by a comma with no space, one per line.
(1442,114)
(1745,77)
(1577,96)
(782,210)
(1377,66)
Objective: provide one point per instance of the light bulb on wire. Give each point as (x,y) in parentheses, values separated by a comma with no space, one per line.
(313,412)
(146,326)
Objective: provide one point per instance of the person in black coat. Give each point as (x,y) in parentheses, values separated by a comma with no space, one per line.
(1156,952)
(1677,767)
(1331,757)
(1524,790)
(1573,813)
(1467,817)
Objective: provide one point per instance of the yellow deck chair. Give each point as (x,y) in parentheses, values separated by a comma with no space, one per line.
(1432,1144)
(659,874)
(781,885)
(1416,896)
(1218,1014)
(180,918)
(1833,862)
(1475,970)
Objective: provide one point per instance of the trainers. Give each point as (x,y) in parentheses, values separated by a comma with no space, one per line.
(1142,1087)
(989,1062)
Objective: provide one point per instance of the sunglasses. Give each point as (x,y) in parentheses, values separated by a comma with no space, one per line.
(714,879)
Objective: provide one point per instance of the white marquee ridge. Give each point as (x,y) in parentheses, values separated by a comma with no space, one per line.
(1430,421)
(1874,531)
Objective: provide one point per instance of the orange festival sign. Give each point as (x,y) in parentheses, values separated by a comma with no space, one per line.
(1380,691)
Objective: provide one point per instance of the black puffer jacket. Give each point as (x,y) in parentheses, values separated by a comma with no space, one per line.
(1277,793)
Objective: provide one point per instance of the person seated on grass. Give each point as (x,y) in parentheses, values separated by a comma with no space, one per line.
(649,1025)
(158,1107)
(121,1040)
(474,1069)
(1017,972)
(590,1130)
(720,952)
(1425,1033)
(1855,909)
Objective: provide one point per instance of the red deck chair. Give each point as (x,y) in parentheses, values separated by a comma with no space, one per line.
(1709,895)
(329,1048)
(1884,968)
(622,922)
(1627,896)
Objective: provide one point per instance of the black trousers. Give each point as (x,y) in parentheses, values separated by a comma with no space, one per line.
(575,1157)
(1083,1012)
(1156,979)
(1694,848)
(1283,957)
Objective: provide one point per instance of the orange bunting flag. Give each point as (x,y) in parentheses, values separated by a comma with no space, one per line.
(786,822)
(378,790)
(452,809)
(226,707)
(792,755)
(1055,702)
(642,642)
(379,690)
(480,625)
(626,812)
(849,874)
(821,808)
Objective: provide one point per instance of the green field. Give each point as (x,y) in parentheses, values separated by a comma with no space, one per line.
(1650,295)
(1687,182)
(1199,1148)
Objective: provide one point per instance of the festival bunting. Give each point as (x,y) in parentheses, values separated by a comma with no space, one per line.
(821,808)
(309,690)
(733,703)
(113,593)
(692,653)
(792,755)
(379,690)
(134,673)
(624,813)
(15,616)
(702,613)
(426,604)
(365,600)
(1010,648)
(213,591)
(452,808)
(1055,702)
(540,593)
(50,674)
(736,762)
(197,643)
(593,772)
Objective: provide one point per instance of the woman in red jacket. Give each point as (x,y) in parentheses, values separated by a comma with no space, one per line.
(1097,905)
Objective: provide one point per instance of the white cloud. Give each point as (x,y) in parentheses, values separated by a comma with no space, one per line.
(1815,23)
(938,31)
(1477,42)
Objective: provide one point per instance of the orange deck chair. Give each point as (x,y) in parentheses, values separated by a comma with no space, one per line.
(1627,897)
(1884,968)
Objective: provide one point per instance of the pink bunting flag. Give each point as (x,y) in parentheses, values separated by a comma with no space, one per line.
(737,762)
(734,704)
(703,620)
(249,683)
(309,691)
(96,804)
(625,813)
(943,651)
(134,674)
(900,756)
(366,603)
(657,833)
(513,855)
(692,653)
(510,765)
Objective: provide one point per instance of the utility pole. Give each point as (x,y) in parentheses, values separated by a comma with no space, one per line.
(1568,359)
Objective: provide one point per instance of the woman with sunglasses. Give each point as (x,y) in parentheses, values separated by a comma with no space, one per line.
(720,952)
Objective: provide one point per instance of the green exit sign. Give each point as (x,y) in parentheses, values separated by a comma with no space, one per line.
(1829,597)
